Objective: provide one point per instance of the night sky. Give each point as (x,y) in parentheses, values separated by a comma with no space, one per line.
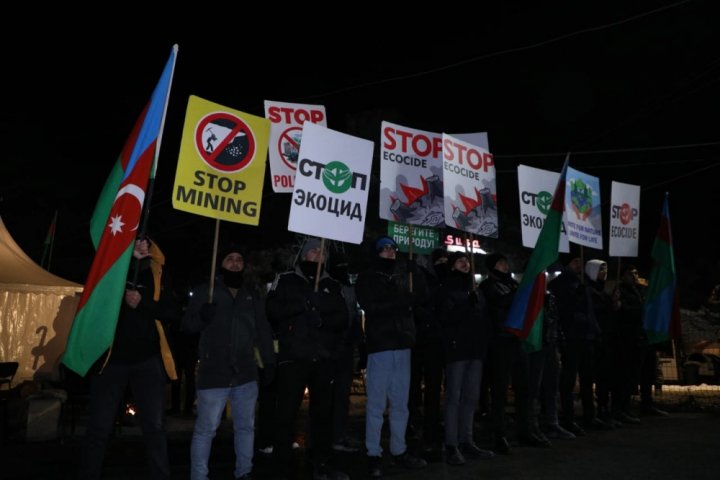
(630,90)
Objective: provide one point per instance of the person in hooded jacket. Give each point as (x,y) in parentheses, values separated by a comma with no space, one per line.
(388,303)
(232,325)
(427,361)
(345,355)
(466,331)
(606,366)
(309,325)
(140,358)
(507,360)
(579,331)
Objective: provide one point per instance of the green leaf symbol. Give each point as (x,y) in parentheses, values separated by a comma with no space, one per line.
(337,177)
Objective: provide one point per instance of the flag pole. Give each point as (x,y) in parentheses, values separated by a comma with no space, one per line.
(145,215)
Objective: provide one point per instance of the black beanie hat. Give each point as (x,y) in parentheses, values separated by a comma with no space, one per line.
(455,256)
(492,259)
(437,254)
(229,247)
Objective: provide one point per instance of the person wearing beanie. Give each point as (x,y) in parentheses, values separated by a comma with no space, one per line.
(507,359)
(491,262)
(605,364)
(439,255)
(140,359)
(344,366)
(390,334)
(638,358)
(427,361)
(466,332)
(440,266)
(579,331)
(231,325)
(309,324)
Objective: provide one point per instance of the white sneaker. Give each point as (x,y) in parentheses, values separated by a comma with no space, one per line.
(266,450)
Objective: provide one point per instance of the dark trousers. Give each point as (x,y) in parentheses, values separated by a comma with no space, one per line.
(107,390)
(267,407)
(577,362)
(185,364)
(292,378)
(426,370)
(607,368)
(508,360)
(648,375)
(630,353)
(343,375)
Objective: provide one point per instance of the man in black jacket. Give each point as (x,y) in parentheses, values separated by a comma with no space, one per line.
(390,334)
(231,325)
(309,324)
(139,358)
(507,359)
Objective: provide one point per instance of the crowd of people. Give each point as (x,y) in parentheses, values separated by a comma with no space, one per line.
(432,341)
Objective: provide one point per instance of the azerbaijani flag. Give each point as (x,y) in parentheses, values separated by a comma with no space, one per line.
(525,319)
(662,307)
(113,229)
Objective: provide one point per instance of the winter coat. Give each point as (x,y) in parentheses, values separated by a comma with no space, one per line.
(140,333)
(388,305)
(226,349)
(308,325)
(576,314)
(629,317)
(499,290)
(464,318)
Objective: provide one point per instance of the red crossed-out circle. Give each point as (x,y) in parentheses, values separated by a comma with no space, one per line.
(626,214)
(284,138)
(225,142)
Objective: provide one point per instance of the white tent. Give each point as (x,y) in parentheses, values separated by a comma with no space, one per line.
(36,311)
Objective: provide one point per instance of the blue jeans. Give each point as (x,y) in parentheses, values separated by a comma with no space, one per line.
(462,395)
(210,405)
(387,383)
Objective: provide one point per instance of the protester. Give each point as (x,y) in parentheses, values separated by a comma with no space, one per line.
(579,330)
(232,325)
(466,332)
(140,358)
(309,317)
(427,362)
(345,355)
(507,359)
(390,334)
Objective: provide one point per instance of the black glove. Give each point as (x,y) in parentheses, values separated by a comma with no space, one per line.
(314,300)
(314,319)
(268,374)
(406,300)
(207,312)
(473,297)
(412,266)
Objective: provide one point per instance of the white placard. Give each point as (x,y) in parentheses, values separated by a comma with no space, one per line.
(624,220)
(287,120)
(536,189)
(331,185)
